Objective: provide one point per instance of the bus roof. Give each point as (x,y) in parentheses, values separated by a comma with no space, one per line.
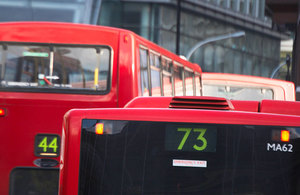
(215,103)
(53,32)
(75,116)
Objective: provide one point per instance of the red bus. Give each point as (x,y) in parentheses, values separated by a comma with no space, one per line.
(218,147)
(246,87)
(48,68)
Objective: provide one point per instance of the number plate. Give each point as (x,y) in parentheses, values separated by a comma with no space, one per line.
(47,145)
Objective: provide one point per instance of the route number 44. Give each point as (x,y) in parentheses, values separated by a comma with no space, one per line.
(52,145)
(47,145)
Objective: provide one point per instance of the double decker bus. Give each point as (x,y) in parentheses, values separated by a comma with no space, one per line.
(246,87)
(183,145)
(48,68)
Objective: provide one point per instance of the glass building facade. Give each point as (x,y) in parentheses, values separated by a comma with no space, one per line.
(77,11)
(257,53)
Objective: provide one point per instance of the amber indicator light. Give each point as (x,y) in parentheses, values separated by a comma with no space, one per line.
(285,135)
(2,112)
(99,128)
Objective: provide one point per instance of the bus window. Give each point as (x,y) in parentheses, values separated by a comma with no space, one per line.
(155,74)
(144,71)
(167,76)
(82,72)
(238,92)
(178,69)
(56,68)
(148,157)
(21,68)
(34,181)
(198,85)
(245,87)
(188,82)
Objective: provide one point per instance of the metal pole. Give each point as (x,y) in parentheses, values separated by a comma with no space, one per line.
(178,27)
(288,63)
(212,39)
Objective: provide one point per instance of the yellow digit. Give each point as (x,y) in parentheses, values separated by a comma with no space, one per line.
(43,144)
(186,135)
(53,144)
(201,138)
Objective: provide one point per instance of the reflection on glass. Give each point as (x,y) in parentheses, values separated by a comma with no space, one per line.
(238,92)
(56,67)
(188,77)
(178,80)
(155,74)
(144,72)
(167,77)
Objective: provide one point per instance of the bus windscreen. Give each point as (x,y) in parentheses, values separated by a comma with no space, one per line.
(142,157)
(44,68)
(242,92)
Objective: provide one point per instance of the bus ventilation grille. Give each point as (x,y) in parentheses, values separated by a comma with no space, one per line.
(210,103)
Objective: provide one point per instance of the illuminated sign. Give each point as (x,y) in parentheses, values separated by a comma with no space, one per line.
(36,54)
(191,138)
(47,145)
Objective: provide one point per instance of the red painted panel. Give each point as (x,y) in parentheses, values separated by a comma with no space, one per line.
(280,107)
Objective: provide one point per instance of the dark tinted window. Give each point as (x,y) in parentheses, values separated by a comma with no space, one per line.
(176,158)
(34,181)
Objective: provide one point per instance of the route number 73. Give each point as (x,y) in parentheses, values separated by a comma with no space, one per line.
(187,132)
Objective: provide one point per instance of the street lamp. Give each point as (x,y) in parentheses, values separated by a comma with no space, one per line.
(212,39)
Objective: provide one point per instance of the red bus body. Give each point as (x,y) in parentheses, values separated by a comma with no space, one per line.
(157,109)
(28,113)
